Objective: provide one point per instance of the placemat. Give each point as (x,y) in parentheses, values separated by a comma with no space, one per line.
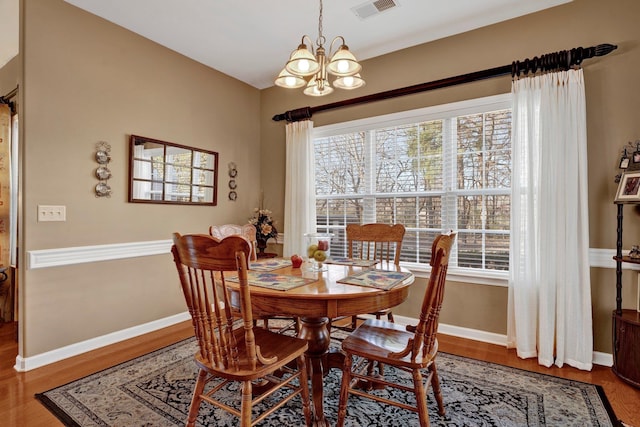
(269,264)
(279,282)
(352,261)
(380,279)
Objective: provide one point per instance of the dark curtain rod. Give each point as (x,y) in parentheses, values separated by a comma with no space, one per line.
(556,61)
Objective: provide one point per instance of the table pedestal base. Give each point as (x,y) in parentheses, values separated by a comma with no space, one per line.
(315,330)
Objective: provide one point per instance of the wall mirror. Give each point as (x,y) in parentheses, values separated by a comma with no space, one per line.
(163,172)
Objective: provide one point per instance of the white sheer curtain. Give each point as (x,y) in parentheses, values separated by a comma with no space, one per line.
(549,309)
(300,192)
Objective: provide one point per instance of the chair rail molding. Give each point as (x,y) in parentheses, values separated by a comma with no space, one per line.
(43,258)
(82,254)
(603,258)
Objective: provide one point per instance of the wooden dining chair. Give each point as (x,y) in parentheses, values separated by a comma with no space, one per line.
(248,231)
(375,241)
(411,349)
(230,350)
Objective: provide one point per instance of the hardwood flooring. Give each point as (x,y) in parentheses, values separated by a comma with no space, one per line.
(18,406)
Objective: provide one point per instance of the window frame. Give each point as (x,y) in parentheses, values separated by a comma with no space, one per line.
(438,112)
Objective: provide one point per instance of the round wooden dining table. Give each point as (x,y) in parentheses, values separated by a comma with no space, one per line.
(318,301)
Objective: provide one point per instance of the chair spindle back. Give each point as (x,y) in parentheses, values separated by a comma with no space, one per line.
(427,328)
(202,261)
(375,241)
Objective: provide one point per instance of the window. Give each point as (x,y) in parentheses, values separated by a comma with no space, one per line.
(432,170)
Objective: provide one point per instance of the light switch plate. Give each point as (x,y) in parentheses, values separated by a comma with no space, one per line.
(52,213)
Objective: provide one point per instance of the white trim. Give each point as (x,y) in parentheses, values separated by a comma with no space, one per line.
(604,359)
(32,362)
(459,275)
(598,358)
(39,360)
(602,258)
(458,331)
(494,102)
(81,254)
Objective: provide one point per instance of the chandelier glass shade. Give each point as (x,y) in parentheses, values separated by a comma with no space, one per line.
(312,68)
(287,79)
(349,82)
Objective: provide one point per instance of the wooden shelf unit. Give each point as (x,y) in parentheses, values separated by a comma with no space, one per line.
(626,323)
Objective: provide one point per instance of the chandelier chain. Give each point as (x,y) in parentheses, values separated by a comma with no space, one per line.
(320,42)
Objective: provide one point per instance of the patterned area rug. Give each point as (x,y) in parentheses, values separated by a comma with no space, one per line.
(155,390)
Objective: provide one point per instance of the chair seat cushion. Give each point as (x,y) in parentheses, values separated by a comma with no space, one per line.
(271,344)
(376,339)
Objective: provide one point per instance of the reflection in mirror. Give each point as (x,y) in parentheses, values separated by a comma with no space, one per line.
(163,172)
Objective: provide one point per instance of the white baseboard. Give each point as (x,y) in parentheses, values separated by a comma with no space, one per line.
(32,362)
(598,358)
(603,359)
(39,360)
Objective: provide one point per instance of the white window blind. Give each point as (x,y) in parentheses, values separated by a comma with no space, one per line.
(432,170)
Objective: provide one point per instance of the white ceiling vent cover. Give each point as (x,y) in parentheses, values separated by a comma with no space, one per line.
(371,8)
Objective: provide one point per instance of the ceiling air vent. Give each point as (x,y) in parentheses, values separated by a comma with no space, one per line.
(371,8)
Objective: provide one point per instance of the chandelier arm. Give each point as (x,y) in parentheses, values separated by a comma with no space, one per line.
(331,45)
(311,47)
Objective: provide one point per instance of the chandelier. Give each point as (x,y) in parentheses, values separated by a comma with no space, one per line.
(305,63)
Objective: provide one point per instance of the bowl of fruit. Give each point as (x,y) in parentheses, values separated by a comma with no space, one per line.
(318,249)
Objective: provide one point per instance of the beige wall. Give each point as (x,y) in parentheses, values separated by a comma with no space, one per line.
(9,76)
(87,80)
(613,105)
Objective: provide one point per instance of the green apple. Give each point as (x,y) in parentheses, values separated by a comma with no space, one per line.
(320,256)
(311,250)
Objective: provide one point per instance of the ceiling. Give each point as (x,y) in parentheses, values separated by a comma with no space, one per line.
(252,39)
(9,34)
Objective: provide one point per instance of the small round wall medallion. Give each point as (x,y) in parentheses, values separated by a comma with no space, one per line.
(233,170)
(232,184)
(233,196)
(102,190)
(102,157)
(103,172)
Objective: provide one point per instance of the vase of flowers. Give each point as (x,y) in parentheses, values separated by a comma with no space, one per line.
(265,227)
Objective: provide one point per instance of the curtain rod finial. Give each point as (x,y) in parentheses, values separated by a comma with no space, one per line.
(604,49)
(294,115)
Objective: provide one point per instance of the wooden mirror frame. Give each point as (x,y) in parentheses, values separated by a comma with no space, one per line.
(165,174)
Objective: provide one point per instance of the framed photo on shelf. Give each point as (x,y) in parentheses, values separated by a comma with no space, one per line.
(629,187)
(624,163)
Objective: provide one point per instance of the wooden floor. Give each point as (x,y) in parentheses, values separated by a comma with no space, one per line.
(18,407)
